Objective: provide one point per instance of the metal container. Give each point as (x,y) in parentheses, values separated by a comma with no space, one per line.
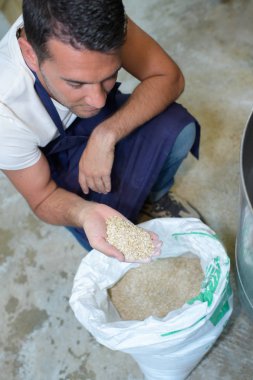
(244,243)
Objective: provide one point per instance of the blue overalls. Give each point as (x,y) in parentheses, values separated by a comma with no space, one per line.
(139,157)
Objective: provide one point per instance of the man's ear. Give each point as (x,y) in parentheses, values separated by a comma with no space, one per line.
(29,54)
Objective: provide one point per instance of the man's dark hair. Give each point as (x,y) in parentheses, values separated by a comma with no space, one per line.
(98,25)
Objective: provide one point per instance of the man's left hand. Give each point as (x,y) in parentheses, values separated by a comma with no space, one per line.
(96,164)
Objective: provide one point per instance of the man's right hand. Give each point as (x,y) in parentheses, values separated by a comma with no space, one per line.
(95,228)
(94,225)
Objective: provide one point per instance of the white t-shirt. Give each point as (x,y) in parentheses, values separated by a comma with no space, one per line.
(24,122)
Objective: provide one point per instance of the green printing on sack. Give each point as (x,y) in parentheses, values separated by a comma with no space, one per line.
(186,328)
(218,313)
(213,236)
(223,306)
(210,283)
(209,286)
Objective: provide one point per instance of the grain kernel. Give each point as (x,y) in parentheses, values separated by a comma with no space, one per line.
(134,242)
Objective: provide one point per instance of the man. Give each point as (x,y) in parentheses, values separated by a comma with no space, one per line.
(77,149)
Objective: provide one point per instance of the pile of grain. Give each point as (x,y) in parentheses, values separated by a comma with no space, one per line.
(157,288)
(133,241)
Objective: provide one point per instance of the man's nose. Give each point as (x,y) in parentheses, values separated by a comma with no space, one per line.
(97,96)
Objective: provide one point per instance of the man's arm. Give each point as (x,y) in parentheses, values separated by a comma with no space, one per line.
(60,207)
(161,83)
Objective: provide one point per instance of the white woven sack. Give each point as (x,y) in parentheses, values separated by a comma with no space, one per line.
(170,347)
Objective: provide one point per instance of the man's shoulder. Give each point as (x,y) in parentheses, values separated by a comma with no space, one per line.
(12,67)
(11,79)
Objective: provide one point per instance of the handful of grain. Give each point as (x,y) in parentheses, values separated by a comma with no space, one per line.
(134,242)
(157,288)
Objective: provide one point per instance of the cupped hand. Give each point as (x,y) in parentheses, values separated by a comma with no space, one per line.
(95,227)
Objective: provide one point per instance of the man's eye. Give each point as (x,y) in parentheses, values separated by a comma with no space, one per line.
(75,85)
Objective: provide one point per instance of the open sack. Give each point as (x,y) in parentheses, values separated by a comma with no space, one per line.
(170,347)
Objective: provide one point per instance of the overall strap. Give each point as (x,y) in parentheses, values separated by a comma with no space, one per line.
(48,104)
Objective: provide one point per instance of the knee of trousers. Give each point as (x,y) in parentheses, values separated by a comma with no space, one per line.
(183,142)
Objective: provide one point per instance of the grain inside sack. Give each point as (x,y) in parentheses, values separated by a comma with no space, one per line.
(157,288)
(133,241)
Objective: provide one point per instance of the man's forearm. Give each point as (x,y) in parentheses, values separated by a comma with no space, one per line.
(67,209)
(149,98)
(62,208)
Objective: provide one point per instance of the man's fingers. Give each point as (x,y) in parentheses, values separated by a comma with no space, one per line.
(102,184)
(107,183)
(153,236)
(83,183)
(89,183)
(97,184)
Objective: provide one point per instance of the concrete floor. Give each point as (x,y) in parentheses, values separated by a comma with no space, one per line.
(40,338)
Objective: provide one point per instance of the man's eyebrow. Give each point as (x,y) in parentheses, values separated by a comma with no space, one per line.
(86,82)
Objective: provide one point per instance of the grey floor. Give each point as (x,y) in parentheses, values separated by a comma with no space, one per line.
(40,338)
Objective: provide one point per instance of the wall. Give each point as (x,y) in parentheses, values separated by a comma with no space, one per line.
(11,9)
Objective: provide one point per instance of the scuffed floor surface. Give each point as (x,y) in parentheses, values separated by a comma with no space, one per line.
(40,337)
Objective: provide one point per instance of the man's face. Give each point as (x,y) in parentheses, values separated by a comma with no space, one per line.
(79,79)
